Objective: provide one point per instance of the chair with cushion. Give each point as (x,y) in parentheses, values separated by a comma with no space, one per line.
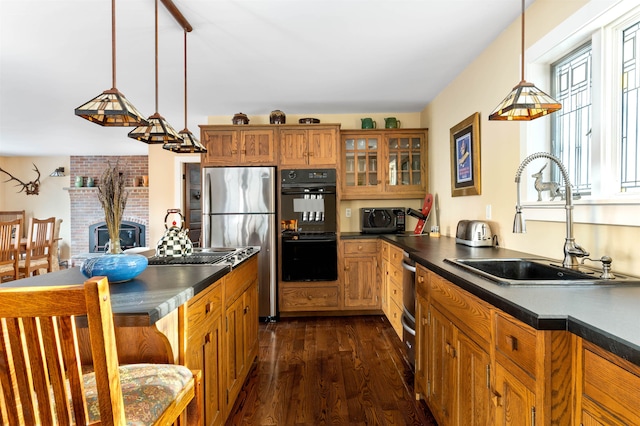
(39,247)
(42,376)
(9,249)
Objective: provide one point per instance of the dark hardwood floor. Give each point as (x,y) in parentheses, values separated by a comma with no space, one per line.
(330,370)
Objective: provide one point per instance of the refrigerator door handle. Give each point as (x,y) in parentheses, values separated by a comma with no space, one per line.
(206,210)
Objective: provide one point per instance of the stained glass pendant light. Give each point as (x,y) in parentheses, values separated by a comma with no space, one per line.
(157,130)
(525,102)
(111,108)
(190,144)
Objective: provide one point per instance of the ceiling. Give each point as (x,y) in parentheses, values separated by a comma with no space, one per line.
(251,56)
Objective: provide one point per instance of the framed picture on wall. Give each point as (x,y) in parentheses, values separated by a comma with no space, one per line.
(465,157)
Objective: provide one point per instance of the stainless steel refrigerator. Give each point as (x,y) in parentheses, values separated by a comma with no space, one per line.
(238,210)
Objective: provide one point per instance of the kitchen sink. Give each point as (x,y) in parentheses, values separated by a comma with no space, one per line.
(536,272)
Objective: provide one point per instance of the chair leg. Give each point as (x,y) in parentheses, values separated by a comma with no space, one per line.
(195,415)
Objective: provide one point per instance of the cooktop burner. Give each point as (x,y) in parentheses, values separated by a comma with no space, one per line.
(207,256)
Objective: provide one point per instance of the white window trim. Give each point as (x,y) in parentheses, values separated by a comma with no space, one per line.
(589,22)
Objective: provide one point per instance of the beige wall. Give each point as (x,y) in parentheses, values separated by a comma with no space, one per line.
(53,200)
(479,88)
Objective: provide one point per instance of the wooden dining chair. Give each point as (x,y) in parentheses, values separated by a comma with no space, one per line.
(9,249)
(41,373)
(9,215)
(39,252)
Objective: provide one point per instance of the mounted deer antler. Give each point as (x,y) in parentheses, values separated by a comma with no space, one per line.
(32,188)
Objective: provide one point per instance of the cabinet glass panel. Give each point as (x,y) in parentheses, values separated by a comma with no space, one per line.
(361,156)
(404,161)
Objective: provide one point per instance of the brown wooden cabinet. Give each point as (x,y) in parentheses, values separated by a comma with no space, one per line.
(241,329)
(294,145)
(221,338)
(421,378)
(453,363)
(392,278)
(315,146)
(238,145)
(360,278)
(203,349)
(607,387)
(389,163)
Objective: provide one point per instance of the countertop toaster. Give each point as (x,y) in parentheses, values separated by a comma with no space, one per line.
(474,233)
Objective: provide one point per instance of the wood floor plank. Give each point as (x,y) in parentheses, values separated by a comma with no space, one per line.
(330,370)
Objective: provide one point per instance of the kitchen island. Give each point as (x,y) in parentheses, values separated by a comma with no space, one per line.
(499,354)
(175,314)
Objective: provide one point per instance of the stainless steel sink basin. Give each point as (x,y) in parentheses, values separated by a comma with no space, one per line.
(537,271)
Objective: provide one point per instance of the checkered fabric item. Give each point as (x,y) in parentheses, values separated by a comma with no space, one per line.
(175,242)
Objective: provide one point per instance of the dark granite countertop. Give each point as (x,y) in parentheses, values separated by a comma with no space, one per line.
(154,293)
(607,315)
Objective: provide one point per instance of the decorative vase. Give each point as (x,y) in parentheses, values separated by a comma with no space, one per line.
(79,181)
(118,268)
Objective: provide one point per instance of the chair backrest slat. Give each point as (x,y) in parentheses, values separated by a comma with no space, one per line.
(55,363)
(36,360)
(10,247)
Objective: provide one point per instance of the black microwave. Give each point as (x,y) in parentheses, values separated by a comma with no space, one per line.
(382,220)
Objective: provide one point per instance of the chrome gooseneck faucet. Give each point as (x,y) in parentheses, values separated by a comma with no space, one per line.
(572,251)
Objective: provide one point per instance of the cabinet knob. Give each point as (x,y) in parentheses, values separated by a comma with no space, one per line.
(512,341)
(309,297)
(496,398)
(420,279)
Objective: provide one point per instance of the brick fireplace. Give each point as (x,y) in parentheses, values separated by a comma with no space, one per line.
(86,210)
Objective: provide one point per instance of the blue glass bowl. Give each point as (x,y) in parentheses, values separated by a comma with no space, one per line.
(118,268)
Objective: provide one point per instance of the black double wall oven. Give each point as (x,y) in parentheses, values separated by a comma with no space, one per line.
(308,225)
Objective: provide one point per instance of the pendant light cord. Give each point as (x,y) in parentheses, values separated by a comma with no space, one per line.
(522,44)
(113,44)
(157,57)
(185,79)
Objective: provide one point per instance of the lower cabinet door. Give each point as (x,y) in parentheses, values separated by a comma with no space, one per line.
(440,367)
(203,353)
(473,391)
(235,350)
(514,402)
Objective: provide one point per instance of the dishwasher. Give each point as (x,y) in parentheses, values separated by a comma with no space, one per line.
(409,307)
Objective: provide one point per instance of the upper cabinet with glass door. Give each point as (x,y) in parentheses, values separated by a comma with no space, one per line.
(389,163)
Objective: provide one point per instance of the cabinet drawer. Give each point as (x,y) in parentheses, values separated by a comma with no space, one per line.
(309,297)
(610,382)
(395,273)
(395,255)
(241,278)
(517,341)
(203,307)
(385,250)
(395,293)
(360,247)
(468,312)
(395,316)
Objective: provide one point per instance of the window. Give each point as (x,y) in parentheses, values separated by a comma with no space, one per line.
(571,126)
(591,62)
(630,151)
